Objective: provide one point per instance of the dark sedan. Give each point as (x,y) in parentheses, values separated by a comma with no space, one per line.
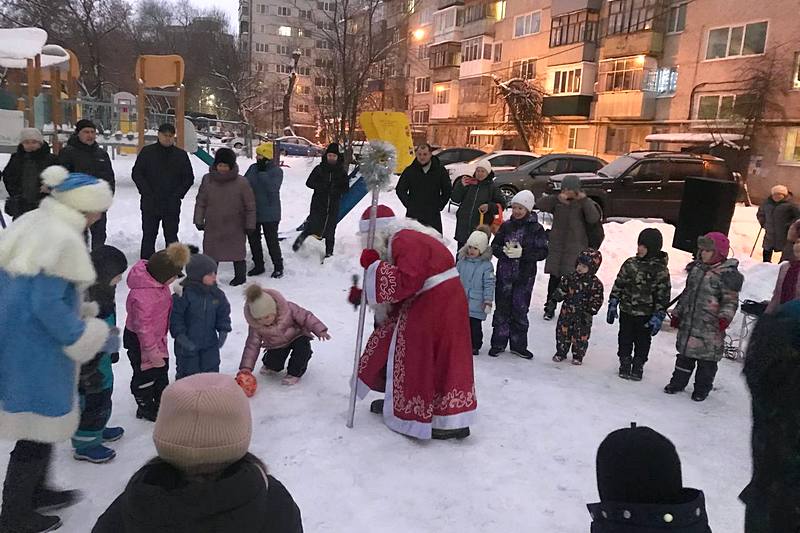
(457,155)
(535,175)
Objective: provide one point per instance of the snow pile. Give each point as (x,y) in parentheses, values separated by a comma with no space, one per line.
(529,465)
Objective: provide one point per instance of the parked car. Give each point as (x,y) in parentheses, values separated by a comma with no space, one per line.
(448,156)
(647,184)
(295,145)
(500,160)
(535,175)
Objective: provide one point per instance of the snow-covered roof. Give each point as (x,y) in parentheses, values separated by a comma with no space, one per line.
(692,138)
(494,132)
(21,43)
(52,56)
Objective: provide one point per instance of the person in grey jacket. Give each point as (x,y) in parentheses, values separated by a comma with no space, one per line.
(775,215)
(572,210)
(265,177)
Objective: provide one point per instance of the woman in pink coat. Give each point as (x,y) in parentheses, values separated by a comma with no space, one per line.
(225,211)
(145,339)
(283,328)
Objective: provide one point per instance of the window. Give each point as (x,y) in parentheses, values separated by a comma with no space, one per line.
(442,94)
(304,71)
(304,14)
(446,20)
(326,6)
(445,57)
(630,16)
(301,32)
(422,85)
(547,137)
(472,50)
(567,81)
(424,51)
(525,69)
(285,31)
(259,67)
(324,45)
(791,151)
(676,21)
(736,41)
(323,63)
(303,89)
(573,28)
(262,9)
(283,69)
(262,29)
(420,116)
(498,10)
(623,74)
(579,138)
(498,53)
(618,140)
(326,25)
(725,106)
(527,24)
(284,11)
(475,12)
(681,169)
(302,108)
(796,72)
(585,165)
(663,81)
(283,50)
(262,47)
(649,171)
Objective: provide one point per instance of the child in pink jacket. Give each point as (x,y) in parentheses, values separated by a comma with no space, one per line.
(145,339)
(283,328)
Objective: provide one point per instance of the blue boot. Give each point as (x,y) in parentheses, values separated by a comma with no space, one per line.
(95,454)
(113,433)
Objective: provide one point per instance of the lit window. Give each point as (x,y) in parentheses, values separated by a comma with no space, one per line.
(676,22)
(796,72)
(663,81)
(567,81)
(442,94)
(791,152)
(527,24)
(500,10)
(630,16)
(737,41)
(624,74)
(285,31)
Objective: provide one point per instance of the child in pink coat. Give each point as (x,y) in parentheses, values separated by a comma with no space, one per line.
(283,328)
(149,305)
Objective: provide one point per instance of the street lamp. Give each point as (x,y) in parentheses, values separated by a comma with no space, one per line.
(287,98)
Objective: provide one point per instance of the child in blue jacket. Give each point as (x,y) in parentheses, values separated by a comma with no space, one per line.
(96,383)
(200,320)
(477,275)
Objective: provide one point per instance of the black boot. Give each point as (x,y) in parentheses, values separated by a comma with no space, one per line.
(257,270)
(549,310)
(277,273)
(445,434)
(18,514)
(46,499)
(239,277)
(637,371)
(376,407)
(298,242)
(625,364)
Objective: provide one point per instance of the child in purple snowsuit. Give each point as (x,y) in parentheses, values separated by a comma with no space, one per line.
(519,244)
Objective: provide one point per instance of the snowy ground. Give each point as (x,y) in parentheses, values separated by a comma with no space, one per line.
(529,464)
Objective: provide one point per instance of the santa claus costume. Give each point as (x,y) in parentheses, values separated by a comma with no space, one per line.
(420,353)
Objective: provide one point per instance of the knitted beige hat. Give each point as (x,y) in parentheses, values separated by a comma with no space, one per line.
(780,189)
(203,423)
(259,302)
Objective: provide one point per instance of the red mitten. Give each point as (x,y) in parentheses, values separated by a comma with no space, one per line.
(355,296)
(723,325)
(674,321)
(369,256)
(247,381)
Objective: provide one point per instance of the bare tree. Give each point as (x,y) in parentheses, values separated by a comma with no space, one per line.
(524,101)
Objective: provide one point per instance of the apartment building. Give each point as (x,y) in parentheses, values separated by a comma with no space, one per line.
(619,75)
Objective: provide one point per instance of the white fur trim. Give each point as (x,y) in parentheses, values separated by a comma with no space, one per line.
(380,223)
(95,198)
(54,175)
(48,240)
(89,309)
(40,428)
(92,340)
(370,277)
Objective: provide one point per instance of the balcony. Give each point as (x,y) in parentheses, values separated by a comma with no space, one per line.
(626,104)
(647,43)
(577,105)
(444,4)
(444,74)
(445,56)
(483,26)
(560,7)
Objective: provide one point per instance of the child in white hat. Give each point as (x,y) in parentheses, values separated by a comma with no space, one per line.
(477,275)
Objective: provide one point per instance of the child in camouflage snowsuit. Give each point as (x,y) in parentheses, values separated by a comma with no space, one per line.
(641,292)
(582,294)
(518,245)
(705,310)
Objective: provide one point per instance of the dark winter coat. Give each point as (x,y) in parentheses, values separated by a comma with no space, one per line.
(582,295)
(687,516)
(265,178)
(200,312)
(775,218)
(568,236)
(243,499)
(163,176)
(533,239)
(226,210)
(89,159)
(643,286)
(470,198)
(711,294)
(424,195)
(329,183)
(23,181)
(772,371)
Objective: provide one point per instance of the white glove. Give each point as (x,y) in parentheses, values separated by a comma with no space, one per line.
(487,308)
(513,252)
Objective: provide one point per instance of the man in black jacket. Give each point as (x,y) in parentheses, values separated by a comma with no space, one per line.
(163,174)
(424,188)
(83,154)
(329,181)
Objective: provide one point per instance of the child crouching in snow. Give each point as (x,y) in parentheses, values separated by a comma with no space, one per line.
(96,381)
(477,276)
(283,328)
(582,294)
(200,320)
(145,338)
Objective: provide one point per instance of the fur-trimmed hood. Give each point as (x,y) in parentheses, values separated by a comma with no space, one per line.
(48,240)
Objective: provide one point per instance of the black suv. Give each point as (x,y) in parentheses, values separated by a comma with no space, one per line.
(647,184)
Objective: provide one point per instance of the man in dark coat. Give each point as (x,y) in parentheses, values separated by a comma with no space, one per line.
(329,181)
(22,174)
(772,371)
(163,174)
(775,215)
(424,188)
(83,154)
